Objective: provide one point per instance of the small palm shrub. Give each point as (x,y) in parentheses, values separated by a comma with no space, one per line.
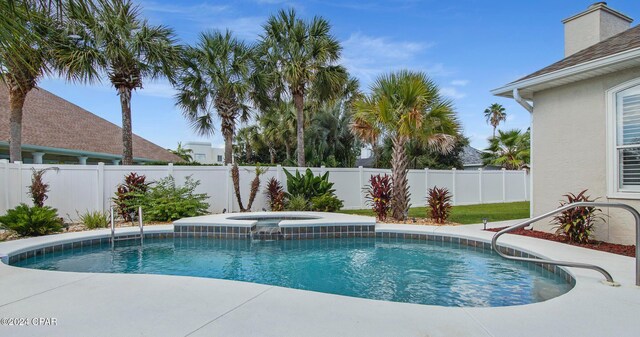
(275,195)
(326,203)
(94,219)
(439,204)
(130,194)
(576,224)
(297,203)
(32,221)
(379,194)
(38,189)
(165,201)
(308,185)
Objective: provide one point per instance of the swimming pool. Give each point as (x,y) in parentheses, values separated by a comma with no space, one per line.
(400,270)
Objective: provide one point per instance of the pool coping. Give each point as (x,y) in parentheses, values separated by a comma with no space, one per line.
(592,307)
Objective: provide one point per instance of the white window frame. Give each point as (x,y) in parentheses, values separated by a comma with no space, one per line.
(613,173)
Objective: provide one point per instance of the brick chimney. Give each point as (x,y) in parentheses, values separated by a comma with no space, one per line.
(599,22)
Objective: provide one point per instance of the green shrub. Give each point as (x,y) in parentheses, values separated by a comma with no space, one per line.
(308,185)
(577,223)
(94,219)
(297,203)
(326,203)
(166,202)
(32,221)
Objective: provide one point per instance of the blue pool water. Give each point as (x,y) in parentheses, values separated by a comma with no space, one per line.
(403,271)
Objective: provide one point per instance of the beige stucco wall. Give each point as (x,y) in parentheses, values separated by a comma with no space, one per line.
(569,150)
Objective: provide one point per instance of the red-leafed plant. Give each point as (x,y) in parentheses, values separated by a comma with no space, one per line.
(439,203)
(576,224)
(379,193)
(275,195)
(38,189)
(129,194)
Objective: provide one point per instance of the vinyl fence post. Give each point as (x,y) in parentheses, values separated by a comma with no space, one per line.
(504,184)
(278,170)
(100,196)
(524,180)
(426,181)
(480,184)
(453,177)
(7,188)
(229,183)
(20,187)
(361,180)
(170,169)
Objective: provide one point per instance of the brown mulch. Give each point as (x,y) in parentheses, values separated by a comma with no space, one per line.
(626,250)
(421,221)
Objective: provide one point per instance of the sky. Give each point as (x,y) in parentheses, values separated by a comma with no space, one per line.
(468,47)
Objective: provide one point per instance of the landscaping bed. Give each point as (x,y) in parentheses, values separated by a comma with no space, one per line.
(626,250)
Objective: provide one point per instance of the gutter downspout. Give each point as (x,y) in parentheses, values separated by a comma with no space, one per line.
(525,104)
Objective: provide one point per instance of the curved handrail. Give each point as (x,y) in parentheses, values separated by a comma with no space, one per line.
(633,211)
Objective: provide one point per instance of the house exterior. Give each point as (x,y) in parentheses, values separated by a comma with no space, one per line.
(585,119)
(204,153)
(55,130)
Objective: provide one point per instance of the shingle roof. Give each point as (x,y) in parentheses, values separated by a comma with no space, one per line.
(471,156)
(51,121)
(627,40)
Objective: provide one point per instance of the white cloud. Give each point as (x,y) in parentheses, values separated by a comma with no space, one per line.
(452,92)
(460,83)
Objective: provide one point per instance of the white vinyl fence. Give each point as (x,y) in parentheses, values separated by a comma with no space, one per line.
(91,187)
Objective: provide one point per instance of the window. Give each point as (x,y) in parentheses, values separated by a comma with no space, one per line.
(623,109)
(219,158)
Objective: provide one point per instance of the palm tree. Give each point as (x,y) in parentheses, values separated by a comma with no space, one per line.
(115,40)
(32,35)
(329,136)
(185,154)
(216,75)
(511,150)
(299,57)
(405,105)
(495,114)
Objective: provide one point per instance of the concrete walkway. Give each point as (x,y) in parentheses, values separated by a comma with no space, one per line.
(86,304)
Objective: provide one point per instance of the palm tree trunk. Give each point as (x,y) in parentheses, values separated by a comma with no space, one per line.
(287,149)
(127,134)
(399,164)
(298,101)
(494,132)
(272,154)
(228,146)
(16,103)
(235,177)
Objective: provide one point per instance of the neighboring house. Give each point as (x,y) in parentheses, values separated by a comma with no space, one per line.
(204,153)
(57,131)
(585,112)
(472,159)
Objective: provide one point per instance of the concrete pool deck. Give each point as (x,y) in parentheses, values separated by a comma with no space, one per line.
(86,304)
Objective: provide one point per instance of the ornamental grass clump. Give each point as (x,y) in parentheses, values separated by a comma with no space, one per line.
(439,204)
(379,194)
(576,224)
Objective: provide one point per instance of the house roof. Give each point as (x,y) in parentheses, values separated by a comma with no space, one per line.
(53,122)
(619,52)
(471,156)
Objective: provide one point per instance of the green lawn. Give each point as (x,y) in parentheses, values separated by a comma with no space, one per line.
(469,214)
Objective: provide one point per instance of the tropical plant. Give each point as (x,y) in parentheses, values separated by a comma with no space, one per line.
(167,201)
(576,224)
(297,203)
(185,154)
(129,195)
(420,156)
(379,193)
(495,114)
(275,195)
(38,189)
(114,39)
(326,203)
(297,59)
(255,186)
(329,140)
(510,149)
(439,204)
(215,75)
(308,185)
(32,38)
(32,221)
(94,219)
(405,105)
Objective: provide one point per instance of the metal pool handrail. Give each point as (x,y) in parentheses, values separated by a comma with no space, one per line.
(633,211)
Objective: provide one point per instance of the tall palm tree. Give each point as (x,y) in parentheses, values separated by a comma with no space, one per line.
(300,58)
(405,105)
(117,41)
(510,149)
(216,75)
(32,35)
(495,114)
(247,140)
